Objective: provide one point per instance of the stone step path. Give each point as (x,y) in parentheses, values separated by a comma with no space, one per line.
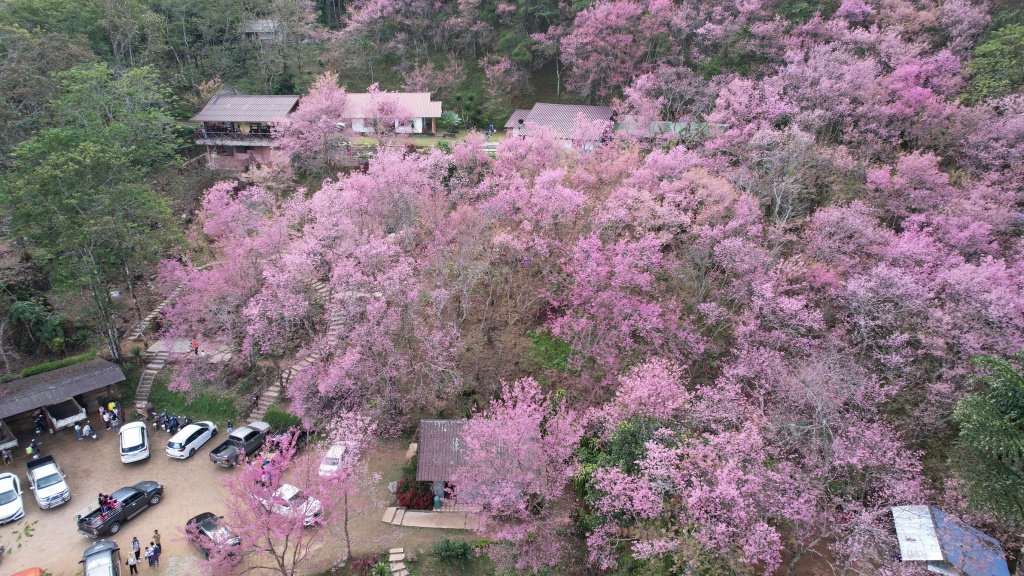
(157,361)
(272,393)
(396,560)
(137,331)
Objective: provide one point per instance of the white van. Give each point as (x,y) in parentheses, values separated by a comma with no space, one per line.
(134,442)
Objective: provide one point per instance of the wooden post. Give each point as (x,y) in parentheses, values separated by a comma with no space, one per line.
(433,125)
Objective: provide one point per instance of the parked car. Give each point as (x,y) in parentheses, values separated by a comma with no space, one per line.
(211,531)
(11,506)
(134,442)
(240,443)
(296,434)
(131,501)
(101,559)
(190,438)
(289,500)
(47,482)
(334,459)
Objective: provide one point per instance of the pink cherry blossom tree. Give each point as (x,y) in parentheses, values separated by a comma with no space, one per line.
(518,460)
(316,132)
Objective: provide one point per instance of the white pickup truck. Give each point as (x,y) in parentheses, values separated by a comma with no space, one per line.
(47,482)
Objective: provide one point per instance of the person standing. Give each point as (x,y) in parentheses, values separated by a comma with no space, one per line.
(120,414)
(230,427)
(156,554)
(78,430)
(195,346)
(115,423)
(156,537)
(136,547)
(149,554)
(132,562)
(106,419)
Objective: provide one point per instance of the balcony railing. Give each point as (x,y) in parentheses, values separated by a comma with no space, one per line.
(214,135)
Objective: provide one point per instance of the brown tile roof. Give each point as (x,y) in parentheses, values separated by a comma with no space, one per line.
(227,108)
(419,103)
(562,117)
(440,449)
(56,386)
(513,121)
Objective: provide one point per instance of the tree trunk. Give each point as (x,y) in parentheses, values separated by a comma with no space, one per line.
(3,354)
(348,539)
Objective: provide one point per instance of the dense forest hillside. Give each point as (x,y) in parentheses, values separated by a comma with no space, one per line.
(724,349)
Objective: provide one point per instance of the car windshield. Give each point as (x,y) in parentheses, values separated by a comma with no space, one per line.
(8,497)
(175,445)
(332,461)
(99,565)
(48,481)
(298,498)
(132,440)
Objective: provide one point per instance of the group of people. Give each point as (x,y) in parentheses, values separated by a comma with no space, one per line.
(107,503)
(113,415)
(152,553)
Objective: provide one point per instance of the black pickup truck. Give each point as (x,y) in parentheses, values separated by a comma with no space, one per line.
(131,501)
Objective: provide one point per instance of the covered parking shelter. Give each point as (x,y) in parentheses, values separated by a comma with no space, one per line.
(52,389)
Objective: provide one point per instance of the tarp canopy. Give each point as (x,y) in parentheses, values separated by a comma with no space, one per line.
(56,386)
(950,546)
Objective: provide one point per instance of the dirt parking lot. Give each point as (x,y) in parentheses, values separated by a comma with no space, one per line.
(49,538)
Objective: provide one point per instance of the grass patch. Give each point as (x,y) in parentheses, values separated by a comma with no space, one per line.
(280,419)
(204,404)
(48,366)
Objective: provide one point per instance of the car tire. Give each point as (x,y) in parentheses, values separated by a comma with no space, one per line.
(154,500)
(191,452)
(114,528)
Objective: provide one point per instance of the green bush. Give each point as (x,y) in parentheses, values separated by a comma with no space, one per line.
(449,550)
(48,366)
(280,419)
(380,569)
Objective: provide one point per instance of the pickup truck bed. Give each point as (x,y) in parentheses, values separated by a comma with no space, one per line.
(240,443)
(65,414)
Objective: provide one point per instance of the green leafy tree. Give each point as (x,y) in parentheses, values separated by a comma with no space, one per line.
(998,65)
(77,194)
(991,442)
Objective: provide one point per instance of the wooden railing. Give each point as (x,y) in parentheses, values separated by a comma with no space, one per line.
(233,135)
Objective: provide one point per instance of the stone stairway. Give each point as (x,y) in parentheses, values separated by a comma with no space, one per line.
(396,560)
(137,331)
(272,393)
(157,361)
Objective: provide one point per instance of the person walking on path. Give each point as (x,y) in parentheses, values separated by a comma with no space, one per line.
(195,346)
(136,547)
(255,401)
(132,564)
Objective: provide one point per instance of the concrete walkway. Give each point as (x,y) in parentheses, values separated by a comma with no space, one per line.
(449,520)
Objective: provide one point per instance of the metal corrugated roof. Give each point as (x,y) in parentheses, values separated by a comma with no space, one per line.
(440,450)
(513,120)
(926,533)
(562,117)
(227,108)
(419,103)
(55,386)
